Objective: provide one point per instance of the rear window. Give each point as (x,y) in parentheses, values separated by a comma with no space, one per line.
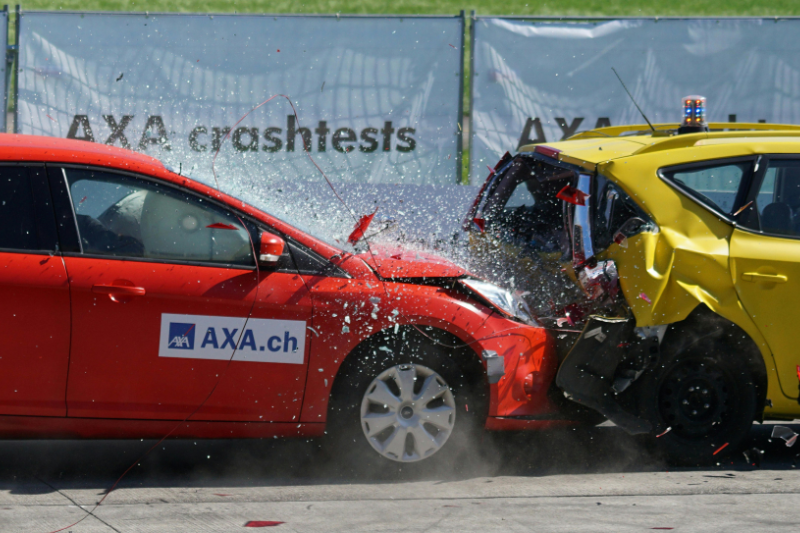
(715,185)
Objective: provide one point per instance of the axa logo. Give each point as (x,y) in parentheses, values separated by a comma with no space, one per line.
(181,336)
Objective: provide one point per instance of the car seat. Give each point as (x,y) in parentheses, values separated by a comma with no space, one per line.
(777,218)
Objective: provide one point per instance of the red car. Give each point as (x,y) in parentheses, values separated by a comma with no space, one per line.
(135,301)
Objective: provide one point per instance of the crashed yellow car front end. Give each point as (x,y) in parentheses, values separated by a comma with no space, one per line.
(707,271)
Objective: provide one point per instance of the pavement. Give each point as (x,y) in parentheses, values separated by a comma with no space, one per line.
(586,479)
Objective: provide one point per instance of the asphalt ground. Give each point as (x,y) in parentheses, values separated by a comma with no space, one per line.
(586,479)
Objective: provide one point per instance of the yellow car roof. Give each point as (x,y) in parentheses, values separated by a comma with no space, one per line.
(589,148)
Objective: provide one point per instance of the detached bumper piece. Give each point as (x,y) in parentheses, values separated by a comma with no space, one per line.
(593,372)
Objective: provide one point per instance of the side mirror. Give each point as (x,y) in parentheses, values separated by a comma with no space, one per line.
(270,248)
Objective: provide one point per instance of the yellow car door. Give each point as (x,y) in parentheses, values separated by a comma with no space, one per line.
(765,262)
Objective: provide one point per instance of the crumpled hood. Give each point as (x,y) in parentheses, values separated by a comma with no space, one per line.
(398,263)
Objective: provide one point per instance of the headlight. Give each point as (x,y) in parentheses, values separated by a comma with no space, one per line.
(501,299)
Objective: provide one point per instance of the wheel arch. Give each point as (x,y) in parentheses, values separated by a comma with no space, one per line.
(703,324)
(413,336)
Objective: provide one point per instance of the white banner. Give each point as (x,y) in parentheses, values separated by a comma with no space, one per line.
(377,97)
(543,81)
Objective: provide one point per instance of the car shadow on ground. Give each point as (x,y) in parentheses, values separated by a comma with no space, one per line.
(37,467)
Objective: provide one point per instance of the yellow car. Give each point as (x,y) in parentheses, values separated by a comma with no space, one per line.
(684,244)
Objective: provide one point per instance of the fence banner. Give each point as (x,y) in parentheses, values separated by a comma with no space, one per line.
(536,81)
(377,97)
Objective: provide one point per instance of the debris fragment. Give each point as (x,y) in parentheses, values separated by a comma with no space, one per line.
(644,297)
(120,76)
(481,223)
(361,227)
(572,195)
(788,436)
(720,448)
(664,432)
(745,206)
(451,46)
(51,118)
(262,523)
(221,225)
(621,239)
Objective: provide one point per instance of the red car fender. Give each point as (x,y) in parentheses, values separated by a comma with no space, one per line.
(345,316)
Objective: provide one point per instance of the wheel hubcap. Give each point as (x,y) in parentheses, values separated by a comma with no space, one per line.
(408,413)
(694,400)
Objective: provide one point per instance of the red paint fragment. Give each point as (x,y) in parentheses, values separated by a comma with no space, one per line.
(491,170)
(51,118)
(361,227)
(451,46)
(481,223)
(222,495)
(83,200)
(798,372)
(279,49)
(664,433)
(572,195)
(262,523)
(221,225)
(720,449)
(644,297)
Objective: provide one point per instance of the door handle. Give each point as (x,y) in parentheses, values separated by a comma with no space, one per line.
(122,290)
(758,276)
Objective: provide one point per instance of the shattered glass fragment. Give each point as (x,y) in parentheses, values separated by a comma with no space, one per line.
(788,436)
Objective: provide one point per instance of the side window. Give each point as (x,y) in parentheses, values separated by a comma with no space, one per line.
(128,217)
(777,202)
(17,218)
(716,186)
(613,207)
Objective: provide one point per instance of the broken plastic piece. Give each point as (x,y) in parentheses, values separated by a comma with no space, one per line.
(621,239)
(495,365)
(361,227)
(782,432)
(644,297)
(221,225)
(745,206)
(572,195)
(262,523)
(481,223)
(720,448)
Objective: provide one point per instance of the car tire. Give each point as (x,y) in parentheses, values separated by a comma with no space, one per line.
(445,385)
(701,401)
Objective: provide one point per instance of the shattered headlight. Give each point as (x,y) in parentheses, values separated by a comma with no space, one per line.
(501,299)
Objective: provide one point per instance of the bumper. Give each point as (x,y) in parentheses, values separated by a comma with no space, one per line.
(521,364)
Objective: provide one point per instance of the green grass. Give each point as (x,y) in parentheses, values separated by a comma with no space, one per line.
(482,7)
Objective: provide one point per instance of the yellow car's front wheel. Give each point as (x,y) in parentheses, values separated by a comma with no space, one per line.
(702,402)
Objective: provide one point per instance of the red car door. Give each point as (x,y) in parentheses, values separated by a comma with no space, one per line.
(163,284)
(34,298)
